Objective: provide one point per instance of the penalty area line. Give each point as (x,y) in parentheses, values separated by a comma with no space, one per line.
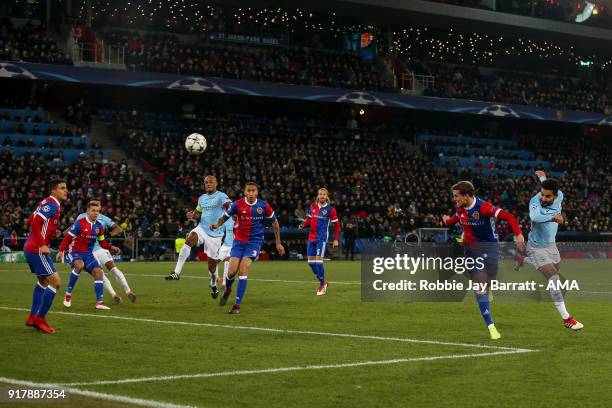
(93,394)
(282,331)
(296,368)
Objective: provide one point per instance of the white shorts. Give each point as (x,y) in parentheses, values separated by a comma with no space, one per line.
(103,256)
(211,244)
(224,252)
(539,256)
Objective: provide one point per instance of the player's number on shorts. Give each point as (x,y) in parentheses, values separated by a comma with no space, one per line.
(318,251)
(254,253)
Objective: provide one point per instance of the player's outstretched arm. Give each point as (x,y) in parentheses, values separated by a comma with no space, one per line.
(516,228)
(219,223)
(63,246)
(279,246)
(450,220)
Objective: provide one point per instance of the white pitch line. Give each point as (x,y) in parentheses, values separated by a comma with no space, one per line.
(284,331)
(94,394)
(252,279)
(296,368)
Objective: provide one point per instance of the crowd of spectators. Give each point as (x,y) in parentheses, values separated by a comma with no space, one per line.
(385,185)
(29,43)
(562,93)
(294,65)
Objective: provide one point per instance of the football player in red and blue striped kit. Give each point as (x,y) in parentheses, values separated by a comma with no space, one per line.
(43,225)
(320,215)
(80,241)
(480,240)
(250,217)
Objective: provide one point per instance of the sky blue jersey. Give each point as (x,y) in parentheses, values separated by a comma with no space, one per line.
(543,229)
(211,207)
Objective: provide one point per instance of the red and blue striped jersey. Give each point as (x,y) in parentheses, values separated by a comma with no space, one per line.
(43,224)
(319,218)
(250,219)
(84,234)
(478,221)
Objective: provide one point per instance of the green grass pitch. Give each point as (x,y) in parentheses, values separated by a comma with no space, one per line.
(288,348)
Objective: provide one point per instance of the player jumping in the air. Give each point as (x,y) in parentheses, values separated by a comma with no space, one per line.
(210,208)
(43,225)
(251,216)
(318,219)
(542,252)
(80,241)
(480,240)
(104,258)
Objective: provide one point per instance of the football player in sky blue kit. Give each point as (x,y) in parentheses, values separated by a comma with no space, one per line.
(105,258)
(542,252)
(320,215)
(480,240)
(251,215)
(210,208)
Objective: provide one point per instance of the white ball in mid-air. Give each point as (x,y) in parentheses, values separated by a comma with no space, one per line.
(195,143)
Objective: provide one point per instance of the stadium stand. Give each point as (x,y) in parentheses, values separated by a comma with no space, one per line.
(29,44)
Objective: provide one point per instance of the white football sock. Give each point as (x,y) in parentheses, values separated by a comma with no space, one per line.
(108,286)
(121,278)
(557,296)
(183,255)
(225,270)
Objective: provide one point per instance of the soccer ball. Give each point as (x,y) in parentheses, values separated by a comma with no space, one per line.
(195,143)
(499,110)
(360,98)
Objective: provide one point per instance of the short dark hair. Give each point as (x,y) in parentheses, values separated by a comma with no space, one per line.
(551,184)
(55,182)
(94,203)
(251,183)
(464,187)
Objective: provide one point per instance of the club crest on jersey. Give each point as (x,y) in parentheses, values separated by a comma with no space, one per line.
(259,210)
(324,212)
(97,230)
(476,215)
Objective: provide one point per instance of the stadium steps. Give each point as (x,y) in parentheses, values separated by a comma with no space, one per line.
(102,133)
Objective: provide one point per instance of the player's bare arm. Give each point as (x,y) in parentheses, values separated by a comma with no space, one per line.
(116,230)
(216,225)
(276,229)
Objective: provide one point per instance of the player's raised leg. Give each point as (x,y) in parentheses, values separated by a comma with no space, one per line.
(551,272)
(234,264)
(190,242)
(112,267)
